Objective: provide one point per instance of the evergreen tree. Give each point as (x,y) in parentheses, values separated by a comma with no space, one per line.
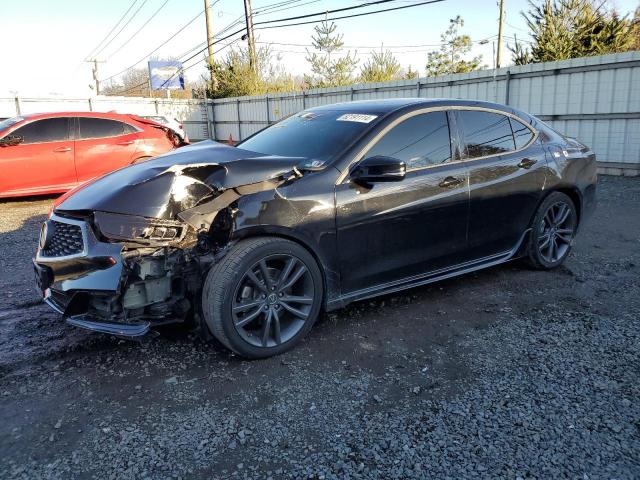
(450,57)
(327,69)
(235,77)
(381,67)
(563,29)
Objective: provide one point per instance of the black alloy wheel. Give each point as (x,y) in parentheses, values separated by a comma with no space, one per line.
(263,296)
(273,300)
(553,231)
(556,232)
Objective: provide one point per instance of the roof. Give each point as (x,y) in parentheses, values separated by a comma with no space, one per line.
(388,105)
(31,116)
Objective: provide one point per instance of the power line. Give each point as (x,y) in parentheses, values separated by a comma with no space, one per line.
(313,21)
(326,12)
(123,27)
(113,29)
(139,30)
(346,47)
(328,19)
(269,21)
(349,16)
(183,69)
(237,21)
(158,47)
(274,8)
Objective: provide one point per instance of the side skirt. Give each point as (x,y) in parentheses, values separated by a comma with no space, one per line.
(431,277)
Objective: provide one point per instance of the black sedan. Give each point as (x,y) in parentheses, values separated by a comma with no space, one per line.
(329,206)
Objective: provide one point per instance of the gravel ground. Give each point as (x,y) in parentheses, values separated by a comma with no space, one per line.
(506,373)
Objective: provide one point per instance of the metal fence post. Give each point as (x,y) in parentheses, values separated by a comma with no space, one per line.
(239,124)
(418,89)
(506,88)
(213,119)
(17,100)
(351,97)
(156,102)
(206,116)
(267,105)
(90,104)
(304,100)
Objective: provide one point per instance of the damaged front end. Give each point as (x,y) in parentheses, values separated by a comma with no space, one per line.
(130,251)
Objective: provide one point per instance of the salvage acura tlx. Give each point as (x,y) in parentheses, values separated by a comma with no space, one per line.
(331,205)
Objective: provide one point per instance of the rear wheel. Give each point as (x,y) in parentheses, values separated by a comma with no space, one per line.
(553,232)
(262,297)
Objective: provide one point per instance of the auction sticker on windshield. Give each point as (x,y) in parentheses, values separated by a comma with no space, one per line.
(356,117)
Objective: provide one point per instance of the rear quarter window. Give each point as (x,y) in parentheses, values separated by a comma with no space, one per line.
(521,133)
(100,128)
(485,133)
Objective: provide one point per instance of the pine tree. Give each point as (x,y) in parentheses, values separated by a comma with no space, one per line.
(381,67)
(235,77)
(328,71)
(566,29)
(449,59)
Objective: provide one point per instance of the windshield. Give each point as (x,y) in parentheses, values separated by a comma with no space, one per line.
(9,121)
(318,135)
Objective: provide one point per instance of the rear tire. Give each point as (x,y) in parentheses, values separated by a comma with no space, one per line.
(262,297)
(553,232)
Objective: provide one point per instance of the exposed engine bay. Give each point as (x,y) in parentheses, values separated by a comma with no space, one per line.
(136,252)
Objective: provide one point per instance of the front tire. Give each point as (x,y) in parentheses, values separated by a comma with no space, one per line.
(262,297)
(553,232)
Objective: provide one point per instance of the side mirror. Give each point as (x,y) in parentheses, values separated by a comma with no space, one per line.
(379,169)
(11,140)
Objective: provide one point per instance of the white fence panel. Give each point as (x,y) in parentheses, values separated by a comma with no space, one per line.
(595,99)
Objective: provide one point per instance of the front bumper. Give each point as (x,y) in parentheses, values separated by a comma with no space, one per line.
(95,267)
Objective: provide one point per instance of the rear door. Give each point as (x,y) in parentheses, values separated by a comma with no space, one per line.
(43,162)
(506,177)
(410,227)
(103,145)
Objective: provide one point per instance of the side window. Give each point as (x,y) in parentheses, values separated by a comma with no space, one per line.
(100,128)
(419,141)
(521,133)
(47,130)
(485,133)
(128,128)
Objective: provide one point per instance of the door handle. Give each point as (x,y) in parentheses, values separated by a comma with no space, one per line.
(126,142)
(450,182)
(62,149)
(527,163)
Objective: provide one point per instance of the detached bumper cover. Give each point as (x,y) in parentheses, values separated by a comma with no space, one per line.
(112,328)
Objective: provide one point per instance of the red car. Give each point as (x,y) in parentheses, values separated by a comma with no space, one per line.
(54,152)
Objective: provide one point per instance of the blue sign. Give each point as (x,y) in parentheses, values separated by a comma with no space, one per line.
(166,75)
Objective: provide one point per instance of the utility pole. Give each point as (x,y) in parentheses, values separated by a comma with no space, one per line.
(96,73)
(501,23)
(248,15)
(207,15)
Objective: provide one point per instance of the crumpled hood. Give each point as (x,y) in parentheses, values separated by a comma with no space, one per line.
(176,181)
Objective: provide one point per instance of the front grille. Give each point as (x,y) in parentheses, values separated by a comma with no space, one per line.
(66,239)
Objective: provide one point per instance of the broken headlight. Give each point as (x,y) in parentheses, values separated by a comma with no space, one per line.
(140,229)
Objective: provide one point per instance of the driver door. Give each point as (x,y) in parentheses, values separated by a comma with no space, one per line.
(43,162)
(409,227)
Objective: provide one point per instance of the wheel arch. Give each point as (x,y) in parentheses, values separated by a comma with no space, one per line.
(570,191)
(328,286)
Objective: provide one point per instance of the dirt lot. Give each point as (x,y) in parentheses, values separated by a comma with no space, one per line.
(504,373)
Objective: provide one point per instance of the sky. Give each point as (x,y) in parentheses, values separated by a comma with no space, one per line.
(51,39)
